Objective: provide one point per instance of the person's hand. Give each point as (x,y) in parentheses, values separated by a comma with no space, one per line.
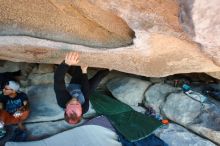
(17,114)
(72,58)
(84,68)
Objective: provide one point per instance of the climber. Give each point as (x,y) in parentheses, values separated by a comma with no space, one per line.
(75,98)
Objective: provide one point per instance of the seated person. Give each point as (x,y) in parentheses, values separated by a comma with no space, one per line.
(75,98)
(14,108)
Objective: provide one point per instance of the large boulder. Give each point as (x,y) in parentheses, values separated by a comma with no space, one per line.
(156,95)
(43,104)
(8,66)
(128,90)
(201,21)
(202,118)
(36,79)
(181,108)
(110,76)
(207,124)
(44,32)
(175,135)
(64,21)
(42,79)
(43,68)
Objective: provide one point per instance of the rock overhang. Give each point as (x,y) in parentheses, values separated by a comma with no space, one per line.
(160,48)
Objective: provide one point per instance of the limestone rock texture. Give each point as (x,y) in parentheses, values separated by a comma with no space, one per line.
(144,37)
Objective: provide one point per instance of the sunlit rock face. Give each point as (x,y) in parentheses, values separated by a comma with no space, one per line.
(103,32)
(201,20)
(69,21)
